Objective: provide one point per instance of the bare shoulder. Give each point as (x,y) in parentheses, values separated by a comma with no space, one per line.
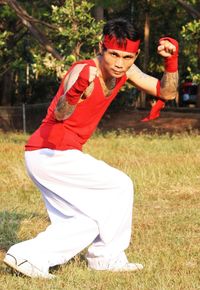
(72,76)
(80,70)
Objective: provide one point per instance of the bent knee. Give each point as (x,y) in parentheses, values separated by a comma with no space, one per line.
(126,180)
(125,184)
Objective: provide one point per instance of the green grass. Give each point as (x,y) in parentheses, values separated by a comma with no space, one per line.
(166,221)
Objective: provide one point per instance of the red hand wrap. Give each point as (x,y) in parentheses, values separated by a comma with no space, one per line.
(80,85)
(171,62)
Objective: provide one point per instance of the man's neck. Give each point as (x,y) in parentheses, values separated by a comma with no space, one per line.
(101,70)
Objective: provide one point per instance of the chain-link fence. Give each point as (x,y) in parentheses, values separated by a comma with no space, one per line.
(25,118)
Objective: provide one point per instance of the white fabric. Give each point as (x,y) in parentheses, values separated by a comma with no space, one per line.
(88,202)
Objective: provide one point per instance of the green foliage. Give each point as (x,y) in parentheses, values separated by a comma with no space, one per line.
(191,37)
(76,26)
(3,47)
(76,37)
(7,19)
(191,31)
(74,34)
(108,4)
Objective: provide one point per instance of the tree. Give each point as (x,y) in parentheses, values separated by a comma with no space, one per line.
(190,34)
(32,31)
(76,28)
(39,42)
(29,22)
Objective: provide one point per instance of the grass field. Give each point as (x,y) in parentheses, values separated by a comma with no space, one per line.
(166,221)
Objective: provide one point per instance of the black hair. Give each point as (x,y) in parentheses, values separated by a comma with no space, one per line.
(121,29)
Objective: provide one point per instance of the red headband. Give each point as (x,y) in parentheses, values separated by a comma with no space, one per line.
(111,42)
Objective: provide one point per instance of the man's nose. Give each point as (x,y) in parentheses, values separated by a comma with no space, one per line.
(119,63)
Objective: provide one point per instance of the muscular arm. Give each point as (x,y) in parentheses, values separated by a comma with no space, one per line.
(169,85)
(142,81)
(75,84)
(168,49)
(148,84)
(63,109)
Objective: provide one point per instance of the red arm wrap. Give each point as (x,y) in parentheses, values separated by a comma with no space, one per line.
(74,93)
(158,89)
(171,63)
(160,101)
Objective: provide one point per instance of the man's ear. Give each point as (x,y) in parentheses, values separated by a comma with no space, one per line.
(101,47)
(137,53)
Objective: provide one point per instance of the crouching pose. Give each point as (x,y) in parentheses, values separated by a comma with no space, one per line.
(89,203)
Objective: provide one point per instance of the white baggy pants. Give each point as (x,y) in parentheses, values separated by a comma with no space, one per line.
(88,202)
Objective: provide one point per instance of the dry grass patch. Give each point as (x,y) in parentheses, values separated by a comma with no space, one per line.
(166,221)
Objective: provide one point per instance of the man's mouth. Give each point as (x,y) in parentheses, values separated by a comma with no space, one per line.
(117,72)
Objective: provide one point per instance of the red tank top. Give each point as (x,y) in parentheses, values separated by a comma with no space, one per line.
(73,132)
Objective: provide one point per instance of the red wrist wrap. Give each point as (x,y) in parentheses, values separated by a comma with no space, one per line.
(158,89)
(80,85)
(171,63)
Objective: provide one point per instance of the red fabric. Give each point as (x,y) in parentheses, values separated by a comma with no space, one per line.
(73,132)
(171,63)
(158,89)
(111,42)
(155,111)
(73,95)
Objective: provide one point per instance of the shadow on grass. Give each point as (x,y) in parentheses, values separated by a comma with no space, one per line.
(79,261)
(9,226)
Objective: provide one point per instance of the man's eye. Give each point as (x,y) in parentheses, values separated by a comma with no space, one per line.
(128,57)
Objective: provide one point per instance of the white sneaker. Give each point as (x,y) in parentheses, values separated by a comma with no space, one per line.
(118,265)
(25,267)
(125,268)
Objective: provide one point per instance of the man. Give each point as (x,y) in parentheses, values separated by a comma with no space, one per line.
(89,203)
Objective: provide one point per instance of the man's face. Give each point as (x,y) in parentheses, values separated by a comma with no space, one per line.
(115,63)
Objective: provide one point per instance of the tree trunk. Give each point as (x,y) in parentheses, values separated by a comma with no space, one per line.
(198,97)
(196,15)
(29,22)
(146,41)
(146,49)
(6,88)
(190,9)
(98,13)
(198,90)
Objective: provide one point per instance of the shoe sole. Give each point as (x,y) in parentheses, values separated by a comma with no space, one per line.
(16,268)
(138,267)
